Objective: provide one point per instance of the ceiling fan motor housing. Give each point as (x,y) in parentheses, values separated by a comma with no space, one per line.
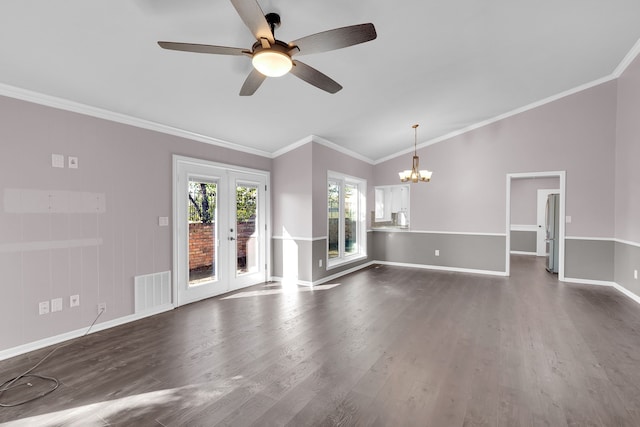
(273,60)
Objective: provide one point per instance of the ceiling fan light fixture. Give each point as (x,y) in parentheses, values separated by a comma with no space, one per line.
(272,63)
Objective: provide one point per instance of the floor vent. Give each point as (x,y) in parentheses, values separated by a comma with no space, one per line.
(152,291)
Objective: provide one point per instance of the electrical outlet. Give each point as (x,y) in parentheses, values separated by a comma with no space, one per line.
(57,160)
(319,263)
(43,307)
(437,252)
(635,274)
(102,307)
(56,304)
(74,300)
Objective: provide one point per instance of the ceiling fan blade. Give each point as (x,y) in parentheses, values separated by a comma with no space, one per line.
(314,77)
(335,39)
(253,17)
(252,83)
(203,48)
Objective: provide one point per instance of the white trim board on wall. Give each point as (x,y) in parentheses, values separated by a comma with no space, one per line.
(301,239)
(524,227)
(527,175)
(463,233)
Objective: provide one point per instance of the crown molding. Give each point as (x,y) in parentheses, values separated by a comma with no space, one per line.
(627,60)
(503,116)
(342,150)
(76,107)
(291,147)
(324,142)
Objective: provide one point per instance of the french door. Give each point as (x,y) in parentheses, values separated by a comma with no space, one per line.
(220,228)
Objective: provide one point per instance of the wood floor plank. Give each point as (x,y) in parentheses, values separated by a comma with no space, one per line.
(388,346)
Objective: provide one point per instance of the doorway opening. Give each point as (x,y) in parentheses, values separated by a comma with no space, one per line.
(514,179)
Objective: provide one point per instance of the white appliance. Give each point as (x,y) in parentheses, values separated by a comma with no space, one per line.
(553,231)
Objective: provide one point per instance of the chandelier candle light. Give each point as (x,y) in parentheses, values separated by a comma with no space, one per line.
(415,174)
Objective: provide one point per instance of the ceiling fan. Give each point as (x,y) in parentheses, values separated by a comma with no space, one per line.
(273,58)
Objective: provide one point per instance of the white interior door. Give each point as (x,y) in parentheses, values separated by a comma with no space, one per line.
(220,229)
(541,236)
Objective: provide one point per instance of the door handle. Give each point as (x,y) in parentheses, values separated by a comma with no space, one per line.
(232,238)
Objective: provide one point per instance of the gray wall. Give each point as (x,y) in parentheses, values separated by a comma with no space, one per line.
(477,252)
(292,259)
(524,241)
(308,253)
(627,259)
(589,259)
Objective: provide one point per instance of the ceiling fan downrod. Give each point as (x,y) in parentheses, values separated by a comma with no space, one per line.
(273,19)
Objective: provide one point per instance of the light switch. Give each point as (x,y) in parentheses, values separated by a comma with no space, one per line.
(568,219)
(57,160)
(163,221)
(73,162)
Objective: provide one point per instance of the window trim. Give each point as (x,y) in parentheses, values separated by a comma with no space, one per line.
(361,241)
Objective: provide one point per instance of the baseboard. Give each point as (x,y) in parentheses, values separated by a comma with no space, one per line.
(614,285)
(627,292)
(588,281)
(343,273)
(443,268)
(293,281)
(57,339)
(325,279)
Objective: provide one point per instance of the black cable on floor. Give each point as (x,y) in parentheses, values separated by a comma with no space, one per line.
(13,382)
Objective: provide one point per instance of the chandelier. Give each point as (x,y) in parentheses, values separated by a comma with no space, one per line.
(415,174)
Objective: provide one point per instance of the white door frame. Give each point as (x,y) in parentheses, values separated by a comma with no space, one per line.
(562,190)
(177,185)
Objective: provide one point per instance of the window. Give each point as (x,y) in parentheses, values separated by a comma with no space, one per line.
(347,234)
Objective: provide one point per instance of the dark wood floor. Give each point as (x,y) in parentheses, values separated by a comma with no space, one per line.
(387,347)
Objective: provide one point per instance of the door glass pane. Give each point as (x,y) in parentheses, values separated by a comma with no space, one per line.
(202,214)
(334,218)
(247,229)
(350,219)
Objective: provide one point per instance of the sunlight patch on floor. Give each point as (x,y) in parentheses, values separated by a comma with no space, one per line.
(97,414)
(282,290)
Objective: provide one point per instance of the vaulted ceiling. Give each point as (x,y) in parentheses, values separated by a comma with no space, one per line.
(444,64)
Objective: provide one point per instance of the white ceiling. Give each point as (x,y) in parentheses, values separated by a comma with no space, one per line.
(444,64)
